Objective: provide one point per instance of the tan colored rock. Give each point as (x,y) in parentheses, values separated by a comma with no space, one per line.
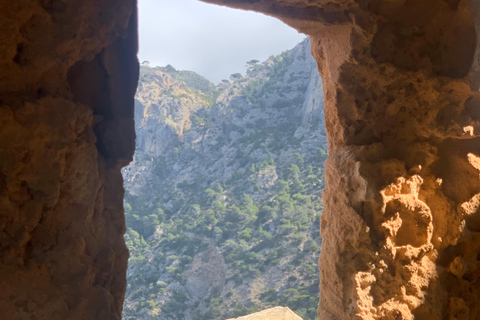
(276,313)
(401,226)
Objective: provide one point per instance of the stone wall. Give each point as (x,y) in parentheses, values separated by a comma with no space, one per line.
(68,74)
(401,226)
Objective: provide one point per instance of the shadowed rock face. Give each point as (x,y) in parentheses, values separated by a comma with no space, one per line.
(401,222)
(400,227)
(68,73)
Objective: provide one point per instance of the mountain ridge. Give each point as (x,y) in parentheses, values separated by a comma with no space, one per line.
(224,179)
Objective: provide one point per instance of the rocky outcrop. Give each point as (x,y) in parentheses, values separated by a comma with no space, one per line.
(400,227)
(68,74)
(165,104)
(277,313)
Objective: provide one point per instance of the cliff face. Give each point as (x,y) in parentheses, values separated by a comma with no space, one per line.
(67,80)
(165,103)
(223,196)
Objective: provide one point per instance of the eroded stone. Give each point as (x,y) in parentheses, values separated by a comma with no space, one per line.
(62,253)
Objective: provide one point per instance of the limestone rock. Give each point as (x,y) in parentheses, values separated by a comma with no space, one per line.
(276,313)
(206,274)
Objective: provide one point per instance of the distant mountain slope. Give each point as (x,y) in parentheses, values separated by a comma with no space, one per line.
(224,194)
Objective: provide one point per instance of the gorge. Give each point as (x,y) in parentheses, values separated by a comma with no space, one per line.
(223,197)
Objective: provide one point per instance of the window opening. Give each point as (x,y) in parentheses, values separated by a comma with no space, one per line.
(223,198)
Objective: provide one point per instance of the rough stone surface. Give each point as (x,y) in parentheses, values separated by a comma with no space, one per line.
(68,73)
(401,222)
(276,313)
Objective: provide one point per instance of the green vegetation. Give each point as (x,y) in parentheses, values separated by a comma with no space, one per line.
(241,182)
(253,240)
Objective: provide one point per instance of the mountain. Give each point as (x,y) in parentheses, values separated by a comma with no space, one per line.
(223,197)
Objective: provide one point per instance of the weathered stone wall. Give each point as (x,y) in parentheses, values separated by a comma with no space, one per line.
(401,225)
(68,74)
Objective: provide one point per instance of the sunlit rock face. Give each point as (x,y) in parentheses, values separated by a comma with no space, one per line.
(68,73)
(276,313)
(401,226)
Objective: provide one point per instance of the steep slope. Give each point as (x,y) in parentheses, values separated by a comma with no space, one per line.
(224,194)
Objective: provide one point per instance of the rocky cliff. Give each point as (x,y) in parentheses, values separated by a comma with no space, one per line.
(223,196)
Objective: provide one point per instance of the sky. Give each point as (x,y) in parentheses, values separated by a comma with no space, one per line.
(211,40)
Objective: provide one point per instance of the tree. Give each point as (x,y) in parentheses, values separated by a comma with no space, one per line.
(149,225)
(252,62)
(270,160)
(235,76)
(212,195)
(267,213)
(293,171)
(252,66)
(309,170)
(298,158)
(323,154)
(245,234)
(248,205)
(219,188)
(170,68)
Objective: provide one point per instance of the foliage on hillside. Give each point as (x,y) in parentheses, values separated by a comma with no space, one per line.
(239,194)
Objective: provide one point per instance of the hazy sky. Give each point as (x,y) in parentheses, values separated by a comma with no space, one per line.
(211,40)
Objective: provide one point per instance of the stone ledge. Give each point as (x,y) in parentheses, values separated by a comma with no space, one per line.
(276,313)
